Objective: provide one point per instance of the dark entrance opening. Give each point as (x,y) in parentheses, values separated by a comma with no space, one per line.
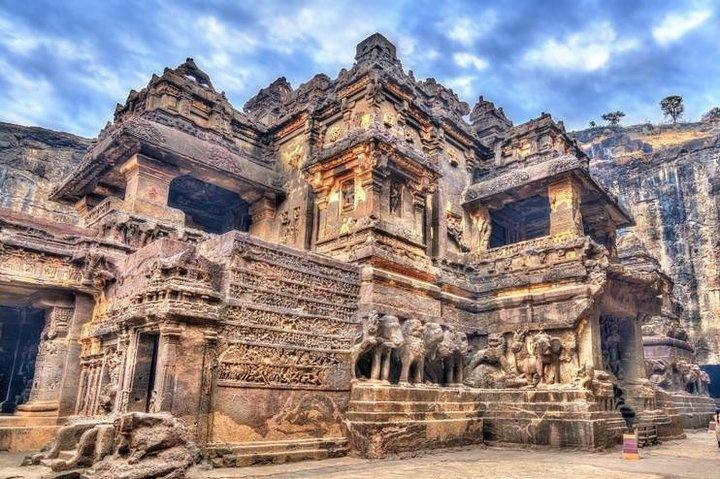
(20,330)
(520,221)
(713,371)
(143,383)
(208,207)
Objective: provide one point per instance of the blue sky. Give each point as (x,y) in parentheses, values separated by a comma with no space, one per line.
(64,65)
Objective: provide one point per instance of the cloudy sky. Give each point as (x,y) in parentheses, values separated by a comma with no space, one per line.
(64,65)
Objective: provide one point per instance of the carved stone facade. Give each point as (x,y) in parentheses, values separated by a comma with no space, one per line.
(305,277)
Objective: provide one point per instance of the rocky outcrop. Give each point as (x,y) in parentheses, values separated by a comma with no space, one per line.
(32,162)
(669,177)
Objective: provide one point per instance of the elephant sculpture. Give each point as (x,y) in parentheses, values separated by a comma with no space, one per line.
(389,337)
(451,355)
(412,352)
(547,351)
(367,341)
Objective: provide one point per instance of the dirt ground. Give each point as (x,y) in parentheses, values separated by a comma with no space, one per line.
(698,456)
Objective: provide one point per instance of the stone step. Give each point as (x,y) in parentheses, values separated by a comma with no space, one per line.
(243,460)
(410,393)
(407,422)
(275,452)
(277,457)
(416,406)
(395,416)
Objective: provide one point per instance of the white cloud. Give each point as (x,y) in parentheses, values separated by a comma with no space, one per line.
(586,51)
(27,100)
(467,60)
(675,25)
(462,85)
(467,30)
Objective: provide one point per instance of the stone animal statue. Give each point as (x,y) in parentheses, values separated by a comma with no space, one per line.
(432,336)
(488,367)
(525,365)
(451,354)
(547,351)
(367,340)
(412,352)
(390,337)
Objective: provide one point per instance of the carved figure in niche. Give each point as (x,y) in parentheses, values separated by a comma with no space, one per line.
(525,365)
(412,352)
(108,393)
(585,377)
(547,351)
(367,340)
(390,338)
(395,198)
(488,367)
(409,134)
(347,191)
(483,225)
(611,344)
(455,231)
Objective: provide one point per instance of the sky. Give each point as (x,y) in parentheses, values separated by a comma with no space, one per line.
(65,64)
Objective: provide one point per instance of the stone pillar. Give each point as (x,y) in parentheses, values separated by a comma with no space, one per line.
(565,196)
(167,358)
(50,360)
(262,214)
(82,313)
(209,366)
(148,188)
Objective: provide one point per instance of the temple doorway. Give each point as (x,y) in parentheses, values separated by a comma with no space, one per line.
(20,330)
(144,374)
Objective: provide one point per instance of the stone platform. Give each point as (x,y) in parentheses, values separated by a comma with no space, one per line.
(389,419)
(26,433)
(552,417)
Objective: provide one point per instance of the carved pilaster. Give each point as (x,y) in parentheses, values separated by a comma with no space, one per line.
(167,359)
(565,217)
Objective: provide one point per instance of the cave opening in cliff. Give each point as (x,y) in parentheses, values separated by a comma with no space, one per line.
(208,207)
(20,330)
(520,221)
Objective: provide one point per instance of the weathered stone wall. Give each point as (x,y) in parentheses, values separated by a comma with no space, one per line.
(669,177)
(32,162)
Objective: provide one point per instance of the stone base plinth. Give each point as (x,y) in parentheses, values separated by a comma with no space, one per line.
(390,419)
(549,417)
(695,411)
(26,433)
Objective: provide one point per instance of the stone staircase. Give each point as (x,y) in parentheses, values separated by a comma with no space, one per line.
(695,411)
(386,419)
(275,452)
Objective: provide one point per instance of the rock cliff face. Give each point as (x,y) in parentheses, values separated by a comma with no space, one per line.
(32,162)
(669,177)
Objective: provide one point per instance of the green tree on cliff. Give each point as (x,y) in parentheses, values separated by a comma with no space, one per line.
(673,107)
(712,115)
(613,118)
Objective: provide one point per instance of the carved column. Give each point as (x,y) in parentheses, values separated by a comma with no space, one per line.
(262,213)
(148,188)
(169,337)
(50,360)
(565,197)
